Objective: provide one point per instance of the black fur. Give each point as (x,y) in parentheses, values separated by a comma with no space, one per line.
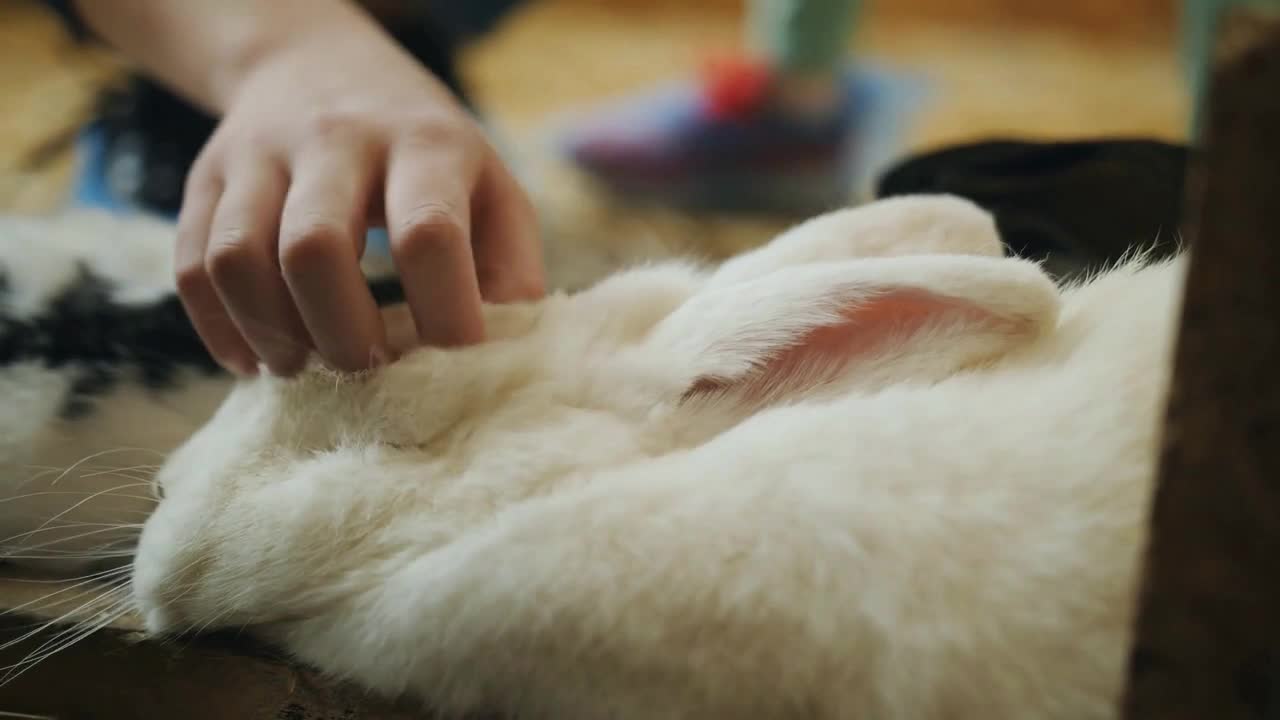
(101,342)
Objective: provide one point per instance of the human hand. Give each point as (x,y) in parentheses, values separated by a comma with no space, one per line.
(321,139)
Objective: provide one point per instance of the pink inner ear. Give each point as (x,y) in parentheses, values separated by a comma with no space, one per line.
(866,329)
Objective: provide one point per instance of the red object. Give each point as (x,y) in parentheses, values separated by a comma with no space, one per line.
(734,86)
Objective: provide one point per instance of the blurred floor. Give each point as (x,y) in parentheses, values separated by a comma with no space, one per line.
(1041,77)
(47,86)
(1026,77)
(991,74)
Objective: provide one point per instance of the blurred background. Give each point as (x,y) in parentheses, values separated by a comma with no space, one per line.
(963,70)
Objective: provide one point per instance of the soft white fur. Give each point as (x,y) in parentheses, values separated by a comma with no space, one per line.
(626,506)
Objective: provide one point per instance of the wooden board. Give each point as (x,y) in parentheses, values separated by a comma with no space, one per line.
(117,674)
(1208,633)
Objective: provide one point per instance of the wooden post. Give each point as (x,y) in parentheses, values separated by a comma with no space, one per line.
(1208,626)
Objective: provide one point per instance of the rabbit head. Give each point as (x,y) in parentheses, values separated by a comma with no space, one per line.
(301,491)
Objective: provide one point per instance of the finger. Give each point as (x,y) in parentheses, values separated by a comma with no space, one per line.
(195,288)
(322,236)
(506,239)
(241,259)
(428,218)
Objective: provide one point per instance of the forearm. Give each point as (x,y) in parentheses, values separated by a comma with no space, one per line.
(205,50)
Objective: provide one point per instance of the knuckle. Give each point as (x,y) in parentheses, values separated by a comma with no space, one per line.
(427,227)
(192,278)
(232,252)
(332,124)
(434,130)
(204,176)
(313,242)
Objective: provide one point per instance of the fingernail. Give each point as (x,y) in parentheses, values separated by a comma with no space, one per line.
(245,367)
(381,356)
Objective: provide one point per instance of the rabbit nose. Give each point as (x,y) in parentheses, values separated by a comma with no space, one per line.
(158,621)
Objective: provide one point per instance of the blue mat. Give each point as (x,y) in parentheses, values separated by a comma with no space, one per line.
(91,189)
(886,101)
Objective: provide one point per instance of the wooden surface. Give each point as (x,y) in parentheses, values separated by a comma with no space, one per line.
(47,88)
(1208,641)
(1037,78)
(1094,16)
(1032,74)
(117,674)
(1044,80)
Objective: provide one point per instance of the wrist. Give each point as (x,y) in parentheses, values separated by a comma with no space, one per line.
(290,35)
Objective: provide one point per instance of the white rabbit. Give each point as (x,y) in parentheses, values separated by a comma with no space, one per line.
(870,470)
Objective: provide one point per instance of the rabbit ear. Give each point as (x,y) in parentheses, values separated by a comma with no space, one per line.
(894,227)
(890,319)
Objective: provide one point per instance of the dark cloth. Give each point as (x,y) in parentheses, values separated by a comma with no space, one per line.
(1077,205)
(70,17)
